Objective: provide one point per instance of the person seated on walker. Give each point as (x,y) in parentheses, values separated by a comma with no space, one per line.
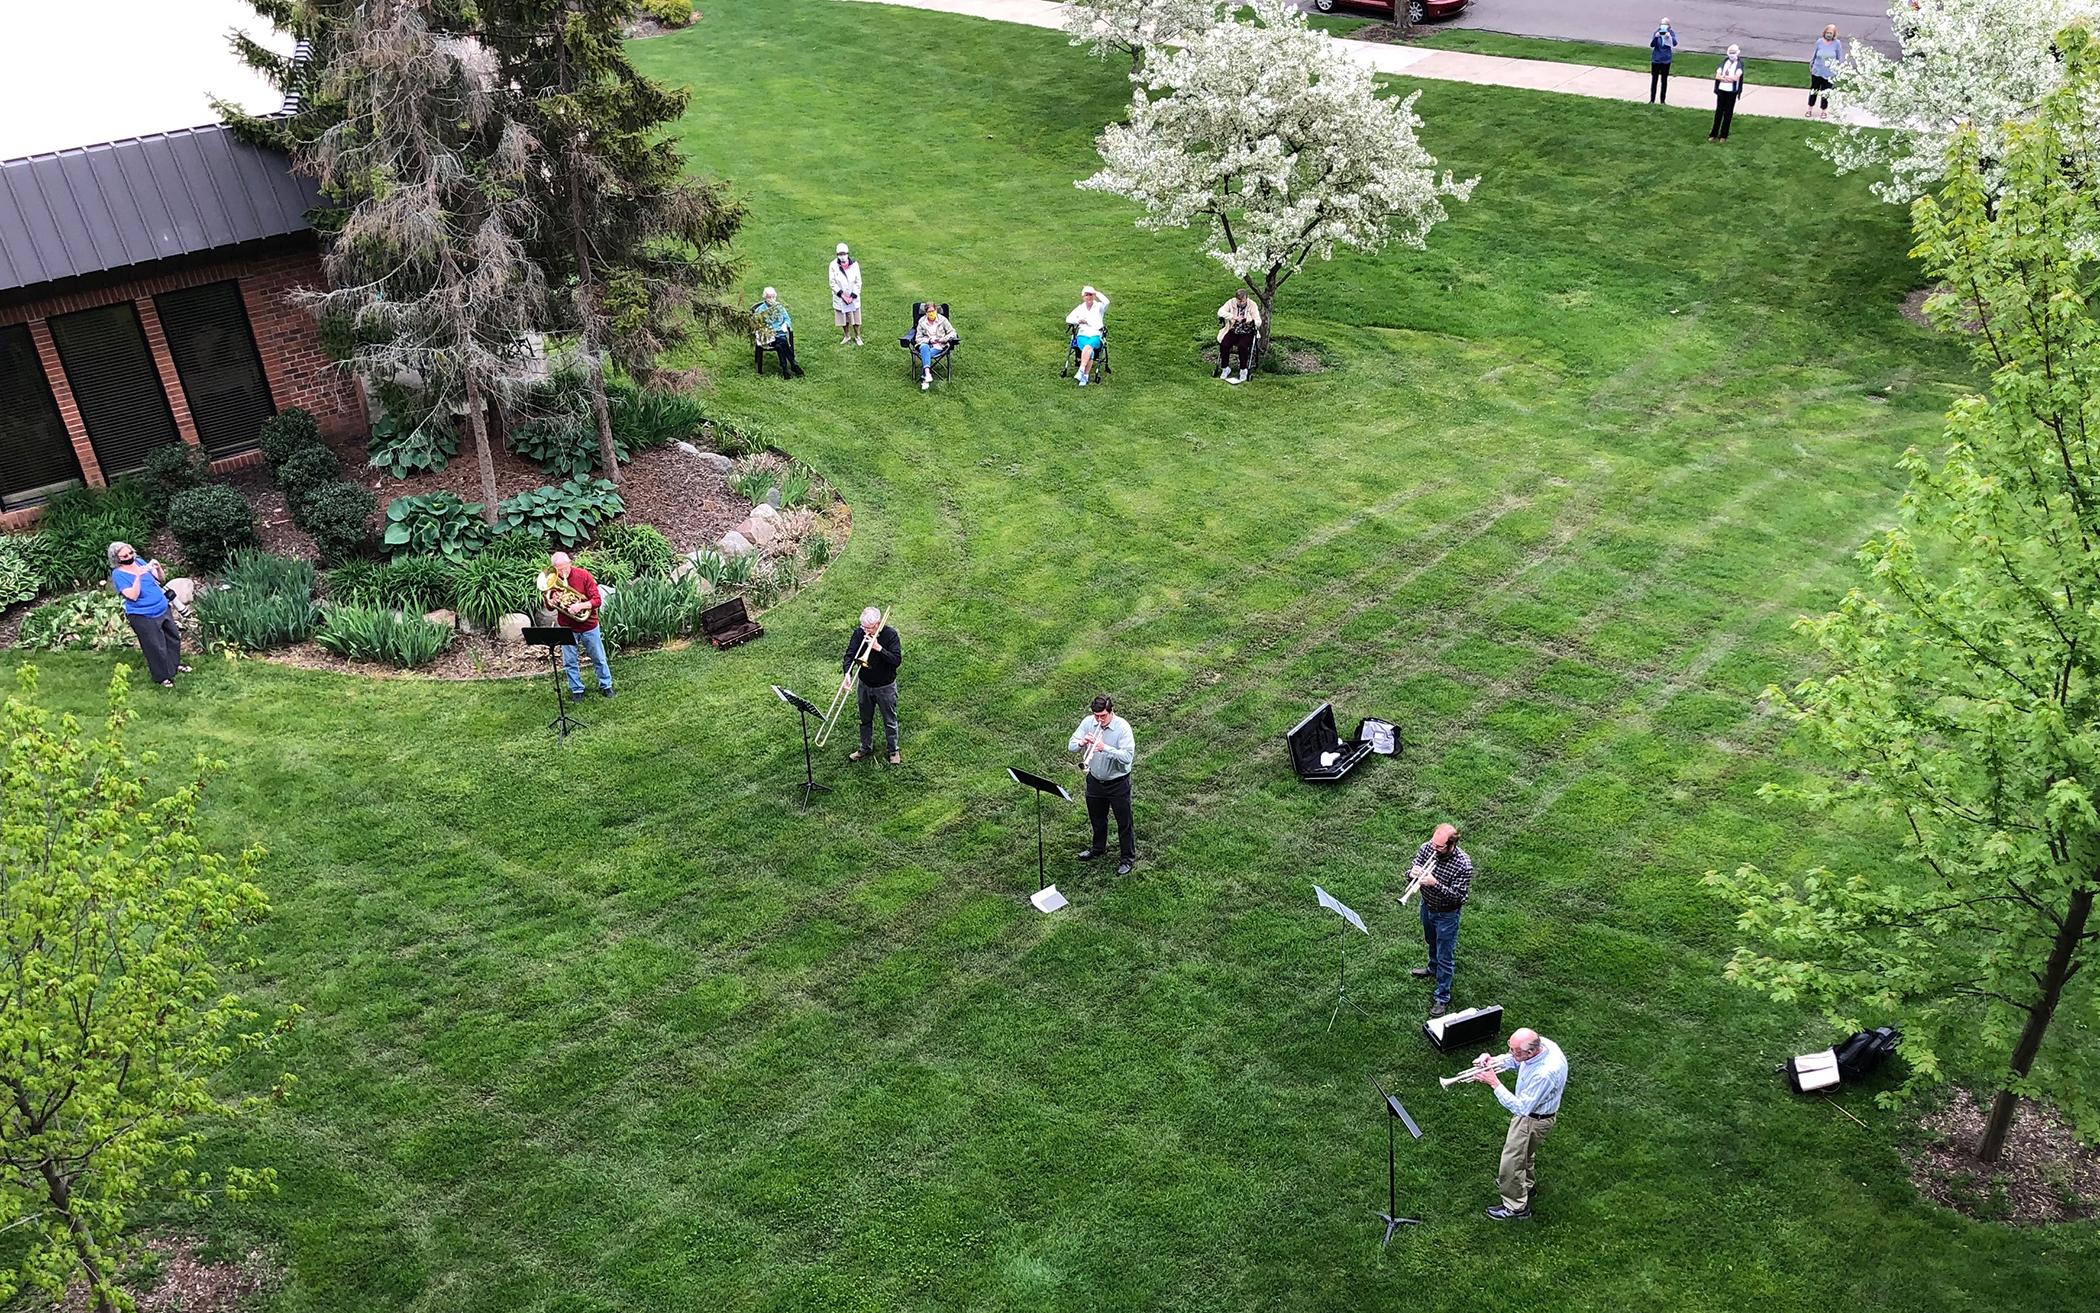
(1086,320)
(1239,320)
(931,336)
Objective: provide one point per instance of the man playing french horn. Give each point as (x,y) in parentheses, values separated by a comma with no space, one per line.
(876,650)
(573,596)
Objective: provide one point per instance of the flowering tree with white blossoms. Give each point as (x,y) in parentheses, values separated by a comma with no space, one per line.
(1279,145)
(1133,26)
(1983,63)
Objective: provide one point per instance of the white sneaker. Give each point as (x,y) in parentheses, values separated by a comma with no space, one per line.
(925,384)
(1225,373)
(1082,380)
(1242,378)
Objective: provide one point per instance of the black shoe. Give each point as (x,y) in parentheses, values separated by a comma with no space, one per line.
(605,692)
(1439,1009)
(1421,973)
(1087,854)
(1501,1214)
(1123,867)
(575,695)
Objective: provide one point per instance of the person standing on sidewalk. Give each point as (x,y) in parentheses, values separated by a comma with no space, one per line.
(1662,47)
(1823,69)
(1446,878)
(1728,84)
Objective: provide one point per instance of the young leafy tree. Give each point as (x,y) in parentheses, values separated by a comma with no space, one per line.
(1963,685)
(1279,146)
(1135,26)
(1978,64)
(430,266)
(642,249)
(115,924)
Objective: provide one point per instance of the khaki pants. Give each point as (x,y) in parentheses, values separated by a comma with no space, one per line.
(1515,1180)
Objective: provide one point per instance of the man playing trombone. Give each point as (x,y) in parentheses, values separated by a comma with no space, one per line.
(1109,750)
(1542,1076)
(876,650)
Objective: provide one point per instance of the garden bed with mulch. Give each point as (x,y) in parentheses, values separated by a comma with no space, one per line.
(2044,1175)
(186,1282)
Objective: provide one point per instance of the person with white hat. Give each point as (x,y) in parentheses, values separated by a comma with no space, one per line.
(1086,320)
(845,296)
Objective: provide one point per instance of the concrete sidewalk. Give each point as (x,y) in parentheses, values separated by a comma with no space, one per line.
(1691,93)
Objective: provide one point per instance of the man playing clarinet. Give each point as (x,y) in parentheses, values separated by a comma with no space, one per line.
(1542,1074)
(878,650)
(1446,880)
(1109,749)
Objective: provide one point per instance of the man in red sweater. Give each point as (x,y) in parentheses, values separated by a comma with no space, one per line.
(573,596)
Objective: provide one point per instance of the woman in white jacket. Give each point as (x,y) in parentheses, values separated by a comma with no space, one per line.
(1086,320)
(845,296)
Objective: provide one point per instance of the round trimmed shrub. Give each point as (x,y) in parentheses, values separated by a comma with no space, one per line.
(642,548)
(305,470)
(169,470)
(211,523)
(288,431)
(338,517)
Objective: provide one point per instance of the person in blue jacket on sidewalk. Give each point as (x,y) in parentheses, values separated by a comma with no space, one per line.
(1661,47)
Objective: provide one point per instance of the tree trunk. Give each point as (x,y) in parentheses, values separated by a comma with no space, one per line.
(84,1247)
(586,285)
(1266,296)
(2054,976)
(478,425)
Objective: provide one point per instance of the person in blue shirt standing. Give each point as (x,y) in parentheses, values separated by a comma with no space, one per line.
(1823,64)
(138,584)
(1542,1076)
(1662,47)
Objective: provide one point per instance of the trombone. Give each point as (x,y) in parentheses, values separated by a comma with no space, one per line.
(845,689)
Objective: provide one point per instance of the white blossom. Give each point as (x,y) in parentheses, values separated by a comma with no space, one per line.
(1980,62)
(1131,26)
(1278,144)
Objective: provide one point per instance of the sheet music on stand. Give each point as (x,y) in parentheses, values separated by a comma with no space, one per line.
(1340,908)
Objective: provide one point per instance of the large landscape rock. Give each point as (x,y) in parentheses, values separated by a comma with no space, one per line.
(765,529)
(735,544)
(717,462)
(448,619)
(510,630)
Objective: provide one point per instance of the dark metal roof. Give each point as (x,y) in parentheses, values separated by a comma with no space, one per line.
(94,208)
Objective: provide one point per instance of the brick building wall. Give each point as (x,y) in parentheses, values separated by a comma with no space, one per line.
(298,370)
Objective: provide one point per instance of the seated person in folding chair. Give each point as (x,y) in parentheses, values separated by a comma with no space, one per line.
(931,338)
(1240,320)
(773,327)
(1088,329)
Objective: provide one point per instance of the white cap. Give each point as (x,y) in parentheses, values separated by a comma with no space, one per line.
(842,248)
(1088,291)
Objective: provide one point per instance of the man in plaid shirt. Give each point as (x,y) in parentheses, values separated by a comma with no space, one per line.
(1447,880)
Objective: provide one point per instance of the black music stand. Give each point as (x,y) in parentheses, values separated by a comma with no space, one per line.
(1041,787)
(554,638)
(1391,1216)
(807,709)
(1341,984)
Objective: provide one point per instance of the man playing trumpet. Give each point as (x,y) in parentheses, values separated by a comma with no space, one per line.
(1444,875)
(1542,1074)
(1109,749)
(878,651)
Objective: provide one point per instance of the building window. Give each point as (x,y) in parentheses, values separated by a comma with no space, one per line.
(115,385)
(36,454)
(215,357)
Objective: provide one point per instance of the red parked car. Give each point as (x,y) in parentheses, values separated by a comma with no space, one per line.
(1418,11)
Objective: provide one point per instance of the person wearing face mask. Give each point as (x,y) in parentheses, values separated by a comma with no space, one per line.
(1662,47)
(138,584)
(1240,320)
(845,296)
(1728,84)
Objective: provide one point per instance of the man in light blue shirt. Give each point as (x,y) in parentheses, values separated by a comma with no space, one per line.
(1542,1073)
(1111,750)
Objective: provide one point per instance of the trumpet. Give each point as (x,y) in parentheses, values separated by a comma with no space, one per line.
(845,689)
(1488,1061)
(1414,881)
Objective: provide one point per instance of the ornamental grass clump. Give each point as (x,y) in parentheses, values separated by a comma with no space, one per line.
(651,611)
(374,633)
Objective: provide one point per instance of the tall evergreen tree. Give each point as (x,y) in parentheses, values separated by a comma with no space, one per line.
(430,267)
(641,248)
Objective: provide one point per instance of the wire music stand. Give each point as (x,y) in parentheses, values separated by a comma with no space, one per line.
(1394,1112)
(807,709)
(1341,985)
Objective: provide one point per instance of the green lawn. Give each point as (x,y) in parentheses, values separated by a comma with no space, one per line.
(619,1026)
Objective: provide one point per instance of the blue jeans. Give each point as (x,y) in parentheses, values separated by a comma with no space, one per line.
(1440,933)
(930,352)
(593,642)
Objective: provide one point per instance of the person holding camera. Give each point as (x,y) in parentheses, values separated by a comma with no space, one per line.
(1662,47)
(138,584)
